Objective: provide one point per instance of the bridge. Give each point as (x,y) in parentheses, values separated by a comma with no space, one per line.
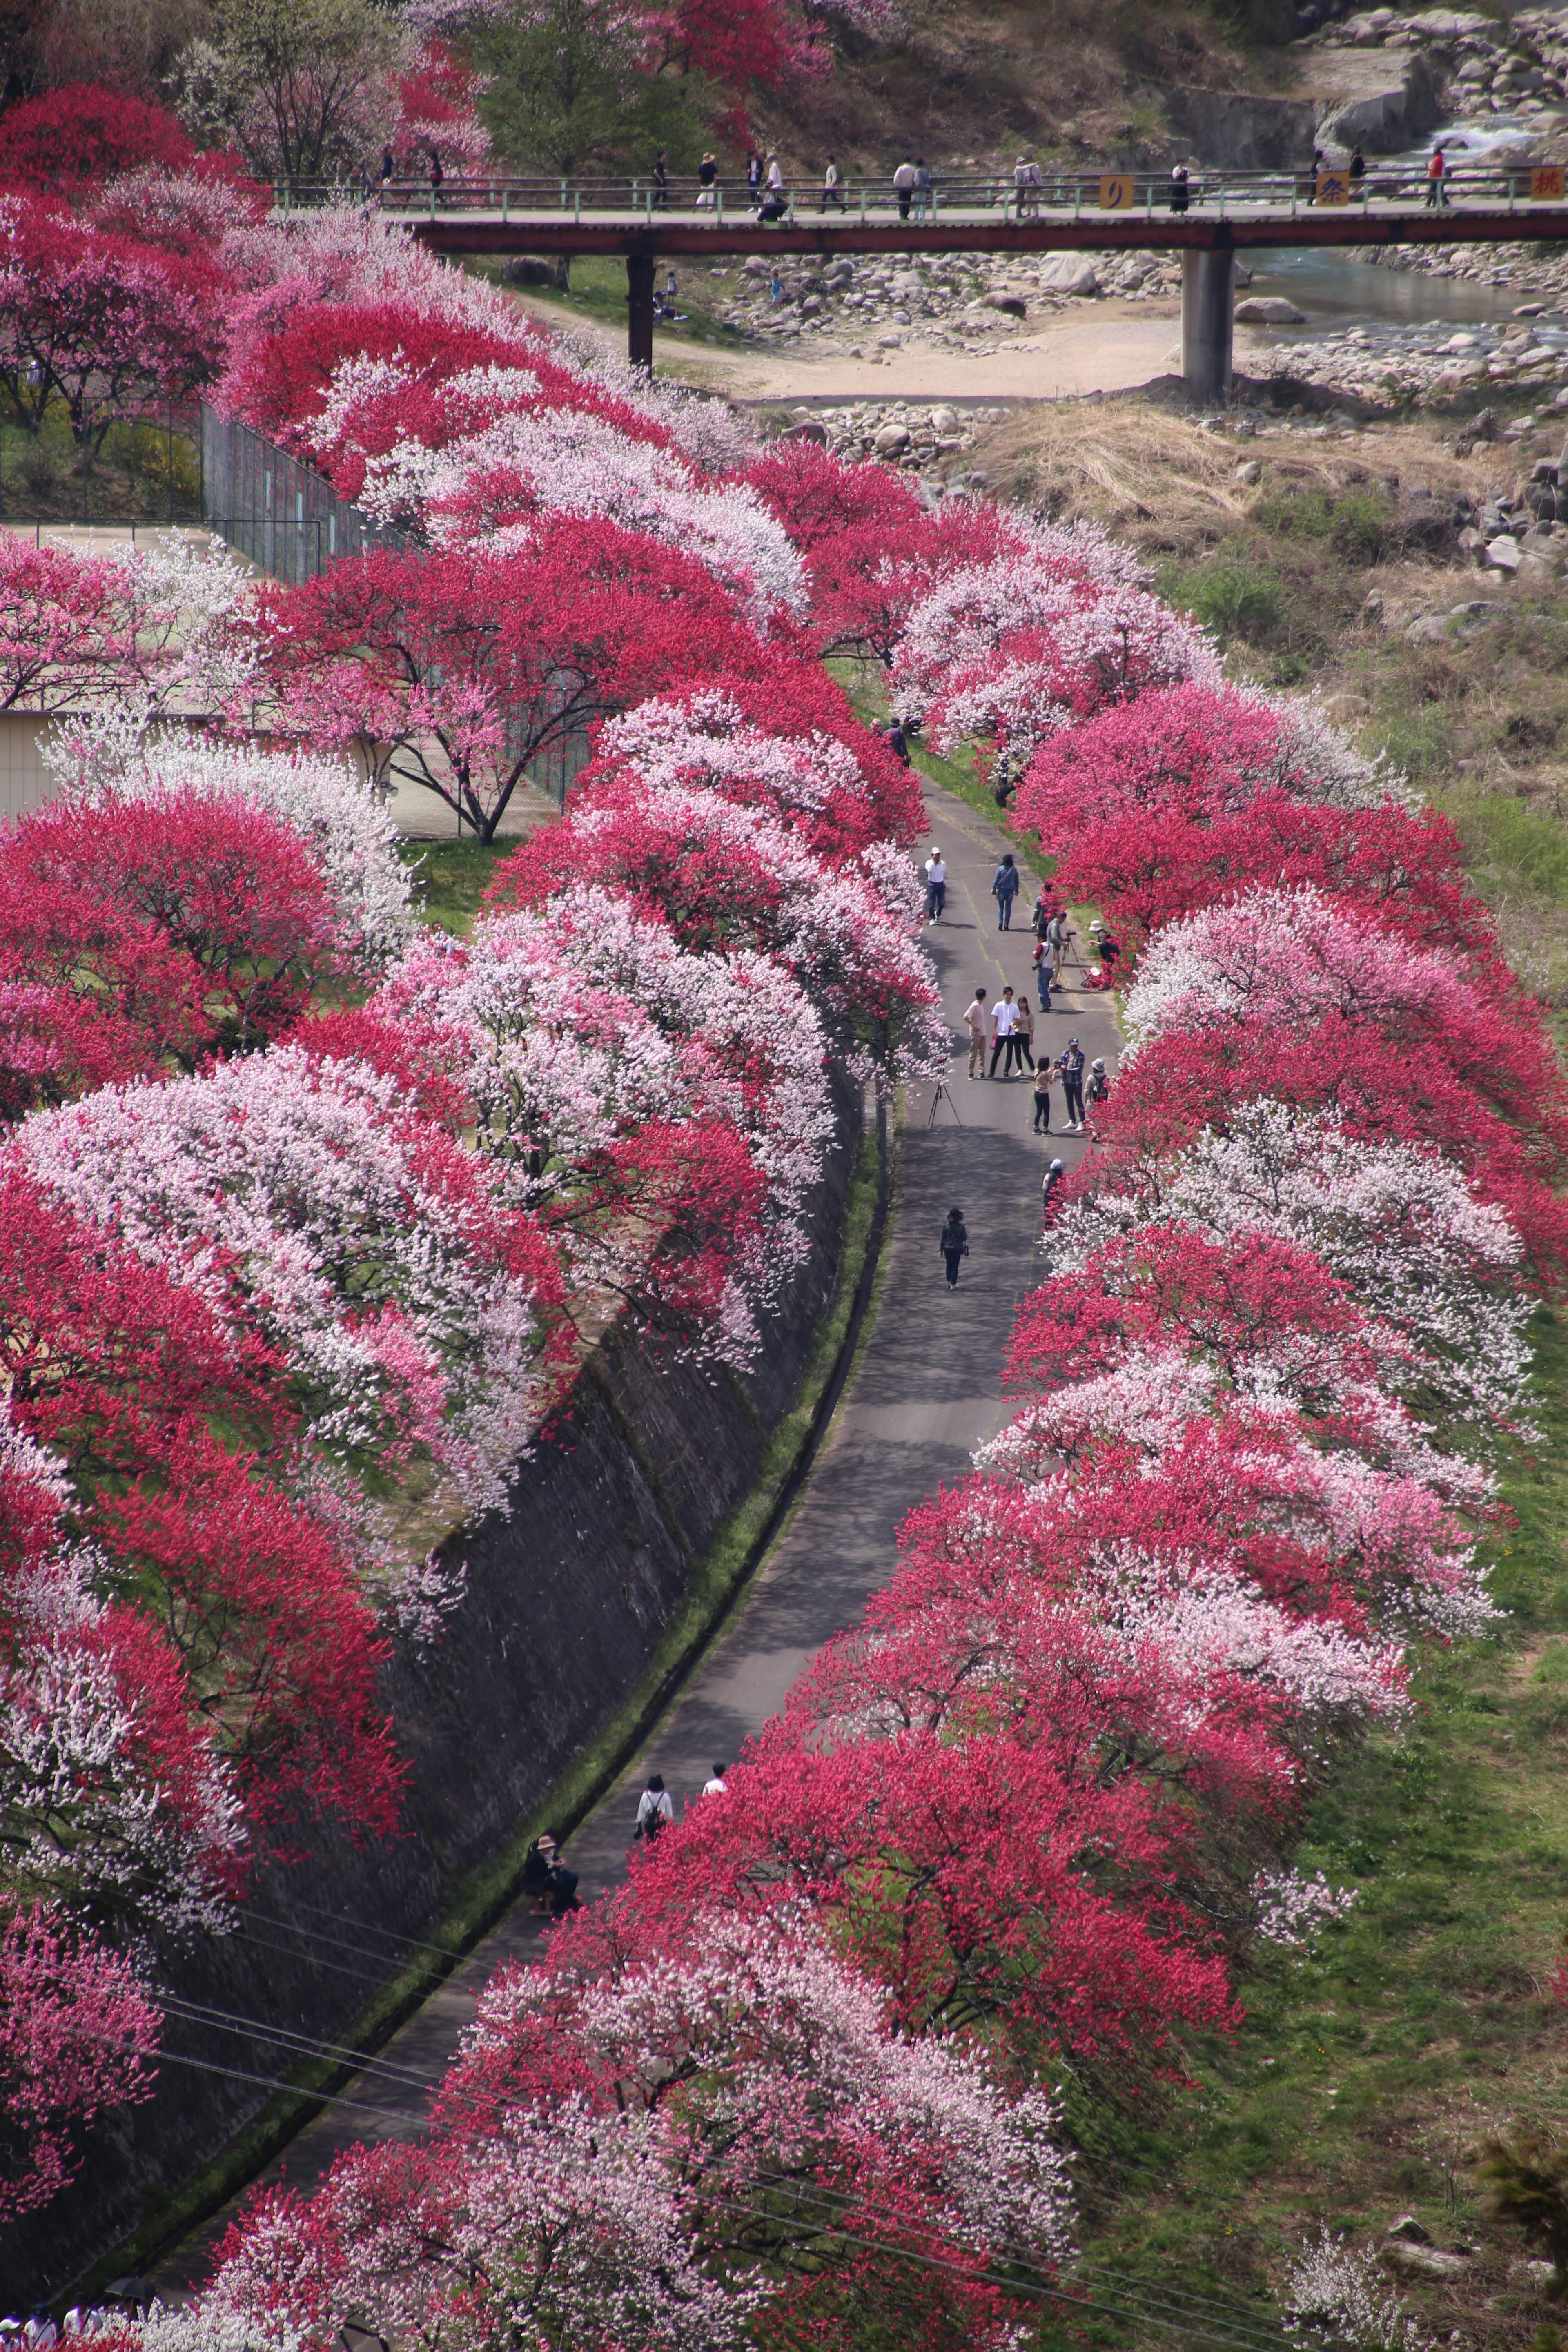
(1102,212)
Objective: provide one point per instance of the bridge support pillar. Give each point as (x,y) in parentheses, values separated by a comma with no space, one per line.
(1206,290)
(639,309)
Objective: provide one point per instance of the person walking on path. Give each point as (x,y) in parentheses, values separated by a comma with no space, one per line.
(936,885)
(1024,1031)
(654,1811)
(975,1022)
(1070,1066)
(1005,889)
(953,1243)
(904,184)
(1437,192)
(1004,1020)
(832,187)
(1057,934)
(1042,1096)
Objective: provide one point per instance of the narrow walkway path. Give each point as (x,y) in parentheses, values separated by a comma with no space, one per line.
(925,1394)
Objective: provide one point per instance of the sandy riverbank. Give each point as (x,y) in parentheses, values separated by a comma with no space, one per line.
(1096,347)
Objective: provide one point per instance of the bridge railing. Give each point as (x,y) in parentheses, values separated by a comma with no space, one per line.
(996,196)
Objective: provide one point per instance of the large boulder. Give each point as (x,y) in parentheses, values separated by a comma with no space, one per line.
(1069,273)
(1384,122)
(1268,310)
(1229,131)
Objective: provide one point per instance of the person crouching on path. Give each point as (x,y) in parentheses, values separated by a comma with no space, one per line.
(975,1022)
(953,1243)
(1054,1179)
(1005,1021)
(1005,889)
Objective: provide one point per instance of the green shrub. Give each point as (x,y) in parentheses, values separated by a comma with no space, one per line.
(1234,598)
(1519,846)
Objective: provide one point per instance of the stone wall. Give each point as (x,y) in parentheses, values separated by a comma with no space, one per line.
(565,1605)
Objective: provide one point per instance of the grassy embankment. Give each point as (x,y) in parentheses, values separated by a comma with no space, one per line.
(1362,2076)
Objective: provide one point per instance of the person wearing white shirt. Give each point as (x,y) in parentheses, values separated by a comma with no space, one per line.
(905,181)
(718,1786)
(1005,1021)
(936,885)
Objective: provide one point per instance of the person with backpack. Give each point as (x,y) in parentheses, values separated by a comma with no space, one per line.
(1069,1068)
(655,1810)
(1055,1177)
(953,1243)
(1005,889)
(1097,1090)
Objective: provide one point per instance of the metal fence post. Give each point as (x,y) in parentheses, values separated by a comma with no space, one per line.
(576,206)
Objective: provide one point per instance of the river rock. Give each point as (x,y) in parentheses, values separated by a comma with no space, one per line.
(1268,310)
(1249,472)
(1535,572)
(1503,553)
(1420,2262)
(1069,273)
(891,440)
(1014,304)
(889,341)
(1408,2227)
(1388,119)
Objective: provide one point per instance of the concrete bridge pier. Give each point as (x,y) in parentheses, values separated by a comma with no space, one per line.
(639,309)
(1207,281)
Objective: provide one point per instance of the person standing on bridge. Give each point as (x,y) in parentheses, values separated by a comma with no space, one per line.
(1179,184)
(953,1243)
(661,182)
(975,1022)
(707,172)
(1358,168)
(1436,170)
(904,186)
(832,187)
(1026,187)
(753,175)
(1005,889)
(922,188)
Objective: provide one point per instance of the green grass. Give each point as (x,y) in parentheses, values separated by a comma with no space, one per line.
(1362,2076)
(453,876)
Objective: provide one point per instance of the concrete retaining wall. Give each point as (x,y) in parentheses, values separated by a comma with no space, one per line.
(565,1606)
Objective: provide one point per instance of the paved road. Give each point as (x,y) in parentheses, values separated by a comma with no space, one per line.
(925,1394)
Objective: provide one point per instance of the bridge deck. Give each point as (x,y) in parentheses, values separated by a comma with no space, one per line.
(1203,230)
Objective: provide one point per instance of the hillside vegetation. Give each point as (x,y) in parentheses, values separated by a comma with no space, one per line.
(974,83)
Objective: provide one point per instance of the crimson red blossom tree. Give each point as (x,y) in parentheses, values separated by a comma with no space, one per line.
(463,667)
(76,2033)
(98,319)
